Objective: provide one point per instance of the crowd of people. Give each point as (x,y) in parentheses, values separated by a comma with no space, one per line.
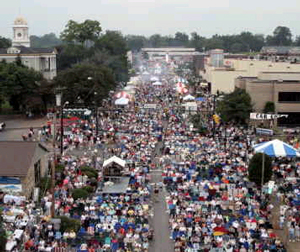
(211,204)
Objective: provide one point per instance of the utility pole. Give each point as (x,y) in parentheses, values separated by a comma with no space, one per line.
(61,131)
(53,167)
(214,111)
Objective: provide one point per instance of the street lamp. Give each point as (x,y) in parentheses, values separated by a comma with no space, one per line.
(62,128)
(58,96)
(96,107)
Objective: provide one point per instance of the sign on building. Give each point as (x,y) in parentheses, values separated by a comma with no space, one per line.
(261,116)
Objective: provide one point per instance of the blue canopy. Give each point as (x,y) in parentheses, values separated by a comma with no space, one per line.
(276,148)
(200,99)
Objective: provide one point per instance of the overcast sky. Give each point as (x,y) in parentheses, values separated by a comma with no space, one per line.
(147,17)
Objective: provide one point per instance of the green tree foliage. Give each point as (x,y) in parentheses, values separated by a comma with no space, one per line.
(80,193)
(181,39)
(235,106)
(114,44)
(269,107)
(135,42)
(282,36)
(243,42)
(75,32)
(89,171)
(45,41)
(198,123)
(86,44)
(255,168)
(68,224)
(197,41)
(78,85)
(5,42)
(21,85)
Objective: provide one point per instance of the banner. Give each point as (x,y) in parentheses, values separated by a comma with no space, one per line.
(261,116)
(261,131)
(150,106)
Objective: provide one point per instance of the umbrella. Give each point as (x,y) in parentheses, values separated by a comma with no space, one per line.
(276,148)
(218,231)
(201,99)
(122,101)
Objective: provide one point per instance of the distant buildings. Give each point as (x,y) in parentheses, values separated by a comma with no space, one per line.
(40,59)
(221,72)
(281,88)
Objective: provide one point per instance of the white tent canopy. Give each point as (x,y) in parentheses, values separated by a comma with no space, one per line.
(157,83)
(122,101)
(154,78)
(188,97)
(116,160)
(127,88)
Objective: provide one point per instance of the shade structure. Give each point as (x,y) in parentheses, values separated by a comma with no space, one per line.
(122,101)
(188,98)
(153,78)
(122,94)
(157,83)
(276,148)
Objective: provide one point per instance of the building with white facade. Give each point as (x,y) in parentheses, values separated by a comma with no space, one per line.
(40,59)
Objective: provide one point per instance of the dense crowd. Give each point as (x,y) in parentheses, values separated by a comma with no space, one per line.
(211,204)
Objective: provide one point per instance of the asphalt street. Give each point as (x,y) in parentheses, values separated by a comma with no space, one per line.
(16,127)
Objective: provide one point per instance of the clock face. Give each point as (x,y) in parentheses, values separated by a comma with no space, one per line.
(19,34)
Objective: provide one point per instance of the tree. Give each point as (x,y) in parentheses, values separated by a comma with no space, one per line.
(235,106)
(282,36)
(181,39)
(20,85)
(75,32)
(4,42)
(135,43)
(255,169)
(269,107)
(198,123)
(197,41)
(45,41)
(68,224)
(80,193)
(113,44)
(79,86)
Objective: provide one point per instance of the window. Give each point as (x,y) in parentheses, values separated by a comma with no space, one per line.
(289,97)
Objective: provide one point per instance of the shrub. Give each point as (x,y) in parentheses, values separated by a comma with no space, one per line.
(79,193)
(68,224)
(89,189)
(89,171)
(45,184)
(255,169)
(59,168)
(269,107)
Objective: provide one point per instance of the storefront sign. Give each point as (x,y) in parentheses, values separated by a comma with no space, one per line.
(261,116)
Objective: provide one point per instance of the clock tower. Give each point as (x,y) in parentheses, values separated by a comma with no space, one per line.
(20,29)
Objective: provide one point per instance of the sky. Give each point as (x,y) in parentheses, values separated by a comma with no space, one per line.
(147,17)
